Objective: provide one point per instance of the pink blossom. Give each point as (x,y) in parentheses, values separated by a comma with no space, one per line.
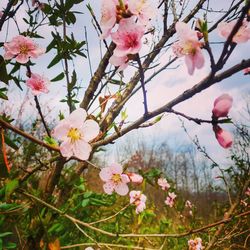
(224,138)
(246,71)
(222,105)
(75,132)
(121,62)
(1,13)
(170,199)
(135,178)
(139,199)
(114,179)
(22,48)
(108,18)
(38,84)
(143,9)
(248,191)
(128,37)
(195,244)
(188,204)
(163,183)
(189,47)
(243,34)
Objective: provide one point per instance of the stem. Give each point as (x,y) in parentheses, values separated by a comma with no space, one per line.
(141,72)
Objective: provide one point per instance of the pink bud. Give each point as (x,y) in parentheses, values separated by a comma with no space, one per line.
(246,71)
(222,105)
(224,138)
(1,13)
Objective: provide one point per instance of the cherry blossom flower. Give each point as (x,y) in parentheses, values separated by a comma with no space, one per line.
(189,47)
(135,178)
(128,37)
(246,71)
(195,244)
(108,16)
(38,84)
(224,138)
(163,183)
(22,48)
(248,191)
(139,199)
(114,179)
(222,105)
(188,204)
(143,9)
(243,34)
(121,62)
(75,132)
(170,199)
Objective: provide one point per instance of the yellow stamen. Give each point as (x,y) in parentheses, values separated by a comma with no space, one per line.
(116,178)
(74,134)
(24,50)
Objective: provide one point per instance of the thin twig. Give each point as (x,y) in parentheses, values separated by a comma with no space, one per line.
(141,71)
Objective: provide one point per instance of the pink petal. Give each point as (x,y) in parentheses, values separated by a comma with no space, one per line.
(106,174)
(199,59)
(22,58)
(190,64)
(77,118)
(81,150)
(60,132)
(66,149)
(122,189)
(108,187)
(125,178)
(90,130)
(116,168)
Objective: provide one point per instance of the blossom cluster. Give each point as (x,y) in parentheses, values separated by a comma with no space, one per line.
(195,244)
(222,105)
(190,47)
(117,181)
(132,17)
(163,183)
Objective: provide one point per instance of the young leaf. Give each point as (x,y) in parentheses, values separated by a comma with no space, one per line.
(58,77)
(3,71)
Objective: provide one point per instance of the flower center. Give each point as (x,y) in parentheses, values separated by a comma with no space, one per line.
(116,178)
(24,49)
(131,41)
(74,134)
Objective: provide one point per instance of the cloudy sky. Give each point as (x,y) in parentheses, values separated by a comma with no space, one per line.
(163,88)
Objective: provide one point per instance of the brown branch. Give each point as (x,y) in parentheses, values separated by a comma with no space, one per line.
(202,85)
(118,104)
(95,80)
(38,107)
(6,12)
(74,220)
(229,215)
(27,136)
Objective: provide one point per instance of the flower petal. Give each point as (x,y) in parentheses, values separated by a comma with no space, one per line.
(77,118)
(66,149)
(108,187)
(81,150)
(106,174)
(122,189)
(90,130)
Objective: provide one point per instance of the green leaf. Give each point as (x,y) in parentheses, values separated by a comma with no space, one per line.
(58,77)
(2,95)
(51,141)
(5,234)
(10,245)
(11,187)
(3,71)
(85,202)
(10,142)
(55,60)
